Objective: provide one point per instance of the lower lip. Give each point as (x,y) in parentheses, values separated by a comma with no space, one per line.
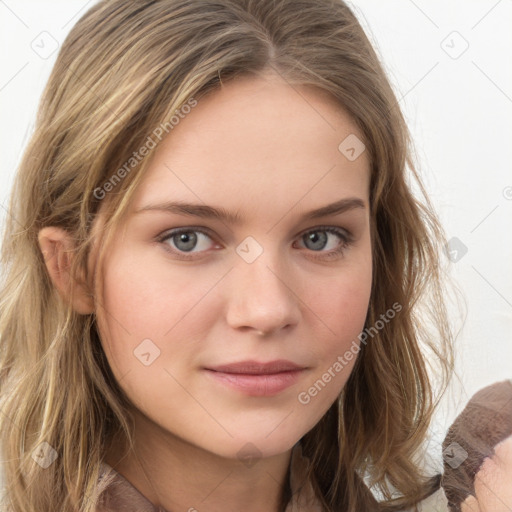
(257,385)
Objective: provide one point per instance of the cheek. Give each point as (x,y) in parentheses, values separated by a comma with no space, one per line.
(344,314)
(347,304)
(152,323)
(141,305)
(147,300)
(340,307)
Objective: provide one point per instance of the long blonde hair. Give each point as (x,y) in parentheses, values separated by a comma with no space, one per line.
(125,69)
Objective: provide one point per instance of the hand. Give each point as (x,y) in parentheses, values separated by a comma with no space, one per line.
(493,482)
(477,453)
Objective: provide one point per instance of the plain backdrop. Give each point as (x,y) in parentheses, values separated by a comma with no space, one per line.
(449,63)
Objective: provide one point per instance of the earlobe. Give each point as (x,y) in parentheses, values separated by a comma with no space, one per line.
(57,248)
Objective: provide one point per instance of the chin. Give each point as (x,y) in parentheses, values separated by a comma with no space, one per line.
(254,445)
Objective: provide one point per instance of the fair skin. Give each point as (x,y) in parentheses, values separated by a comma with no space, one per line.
(493,491)
(268,152)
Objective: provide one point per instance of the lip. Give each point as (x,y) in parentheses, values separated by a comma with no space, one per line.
(257,368)
(255,378)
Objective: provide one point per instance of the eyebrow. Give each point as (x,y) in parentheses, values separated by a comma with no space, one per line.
(205,211)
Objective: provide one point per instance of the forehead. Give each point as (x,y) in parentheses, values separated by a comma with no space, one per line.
(256,144)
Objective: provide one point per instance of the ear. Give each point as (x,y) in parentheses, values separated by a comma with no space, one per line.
(57,247)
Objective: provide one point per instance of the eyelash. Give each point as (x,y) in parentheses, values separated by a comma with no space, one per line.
(345,238)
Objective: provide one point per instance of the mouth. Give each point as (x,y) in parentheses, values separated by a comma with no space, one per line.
(255,378)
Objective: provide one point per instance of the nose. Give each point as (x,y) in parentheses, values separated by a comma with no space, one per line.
(261,296)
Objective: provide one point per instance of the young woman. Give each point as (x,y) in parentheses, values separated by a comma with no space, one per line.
(220,292)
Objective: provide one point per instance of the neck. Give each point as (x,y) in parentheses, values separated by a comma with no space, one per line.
(176,475)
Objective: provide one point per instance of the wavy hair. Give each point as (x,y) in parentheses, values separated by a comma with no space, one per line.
(126,68)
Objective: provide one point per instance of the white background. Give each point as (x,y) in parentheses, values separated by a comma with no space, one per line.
(458,105)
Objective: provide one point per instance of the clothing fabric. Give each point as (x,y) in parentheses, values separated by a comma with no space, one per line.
(485,422)
(119,495)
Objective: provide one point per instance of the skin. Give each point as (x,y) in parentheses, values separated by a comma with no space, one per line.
(493,489)
(268,152)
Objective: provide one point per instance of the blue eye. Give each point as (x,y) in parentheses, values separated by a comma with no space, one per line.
(187,239)
(317,243)
(184,241)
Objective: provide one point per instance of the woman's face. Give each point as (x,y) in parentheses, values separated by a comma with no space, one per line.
(244,284)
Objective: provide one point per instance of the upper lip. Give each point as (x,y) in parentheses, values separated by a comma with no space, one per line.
(257,368)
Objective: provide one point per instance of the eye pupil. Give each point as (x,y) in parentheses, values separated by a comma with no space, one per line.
(315,237)
(316,240)
(189,238)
